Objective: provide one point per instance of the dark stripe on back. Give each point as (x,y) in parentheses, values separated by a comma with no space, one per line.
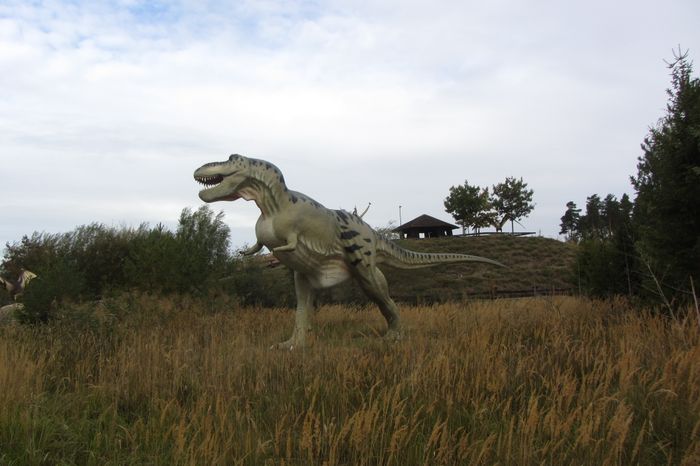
(353,247)
(348,234)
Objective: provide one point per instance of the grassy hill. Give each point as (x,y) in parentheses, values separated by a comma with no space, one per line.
(533,263)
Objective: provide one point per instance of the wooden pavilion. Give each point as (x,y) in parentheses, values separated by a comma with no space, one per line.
(425,226)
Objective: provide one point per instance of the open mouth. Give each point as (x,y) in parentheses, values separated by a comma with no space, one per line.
(209,181)
(210,193)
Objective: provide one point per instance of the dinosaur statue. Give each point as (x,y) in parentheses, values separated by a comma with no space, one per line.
(498,224)
(8,313)
(16,288)
(323,247)
(354,211)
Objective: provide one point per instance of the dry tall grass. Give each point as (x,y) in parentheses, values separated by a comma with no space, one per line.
(161,381)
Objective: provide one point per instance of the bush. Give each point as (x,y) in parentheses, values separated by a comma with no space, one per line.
(604,269)
(152,263)
(95,250)
(94,261)
(203,249)
(61,282)
(191,260)
(253,284)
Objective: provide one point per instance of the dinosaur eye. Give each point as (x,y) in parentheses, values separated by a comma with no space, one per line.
(234,157)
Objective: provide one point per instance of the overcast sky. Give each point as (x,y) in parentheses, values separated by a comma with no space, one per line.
(106,108)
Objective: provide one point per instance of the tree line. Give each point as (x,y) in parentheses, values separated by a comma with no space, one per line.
(649,246)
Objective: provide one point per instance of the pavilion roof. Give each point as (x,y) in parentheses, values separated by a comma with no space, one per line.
(424,221)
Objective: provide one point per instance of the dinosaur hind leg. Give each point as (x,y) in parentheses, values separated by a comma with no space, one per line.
(306,302)
(373,283)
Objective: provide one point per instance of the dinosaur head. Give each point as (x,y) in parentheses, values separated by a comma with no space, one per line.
(223,180)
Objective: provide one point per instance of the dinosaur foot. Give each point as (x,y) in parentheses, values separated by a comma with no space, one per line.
(290,345)
(393,334)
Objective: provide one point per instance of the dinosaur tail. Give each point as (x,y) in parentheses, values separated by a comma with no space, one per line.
(390,254)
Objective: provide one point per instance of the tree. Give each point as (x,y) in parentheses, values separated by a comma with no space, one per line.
(153,262)
(466,203)
(591,223)
(606,262)
(486,217)
(204,242)
(611,214)
(667,206)
(623,237)
(605,258)
(602,217)
(512,200)
(570,222)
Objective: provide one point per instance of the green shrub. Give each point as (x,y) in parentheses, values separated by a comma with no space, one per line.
(604,269)
(253,284)
(61,282)
(152,263)
(190,260)
(203,249)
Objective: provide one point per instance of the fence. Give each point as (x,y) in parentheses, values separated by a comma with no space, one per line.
(492,233)
(493,294)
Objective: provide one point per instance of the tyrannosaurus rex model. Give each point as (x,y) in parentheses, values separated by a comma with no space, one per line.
(323,247)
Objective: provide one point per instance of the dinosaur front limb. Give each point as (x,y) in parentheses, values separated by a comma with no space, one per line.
(252,250)
(306,302)
(290,246)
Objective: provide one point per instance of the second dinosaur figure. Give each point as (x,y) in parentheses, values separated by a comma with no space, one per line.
(323,247)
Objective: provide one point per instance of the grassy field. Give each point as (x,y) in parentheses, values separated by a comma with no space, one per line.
(172,381)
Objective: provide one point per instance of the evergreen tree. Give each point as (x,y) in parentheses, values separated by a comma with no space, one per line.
(623,238)
(606,261)
(626,207)
(667,206)
(610,215)
(591,224)
(570,222)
